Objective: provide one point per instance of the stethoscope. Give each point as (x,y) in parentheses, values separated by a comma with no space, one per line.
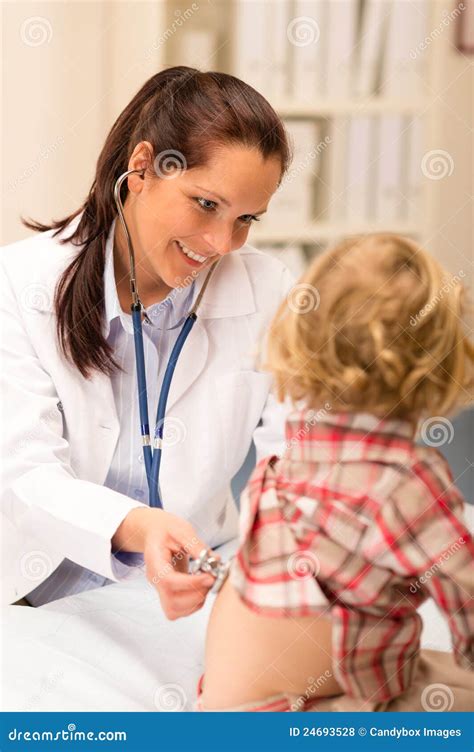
(152,460)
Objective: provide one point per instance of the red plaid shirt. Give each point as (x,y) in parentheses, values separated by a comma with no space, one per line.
(357,520)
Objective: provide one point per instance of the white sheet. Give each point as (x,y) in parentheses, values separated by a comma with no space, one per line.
(112,649)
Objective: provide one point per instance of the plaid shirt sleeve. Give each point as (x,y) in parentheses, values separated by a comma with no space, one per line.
(271,569)
(422,535)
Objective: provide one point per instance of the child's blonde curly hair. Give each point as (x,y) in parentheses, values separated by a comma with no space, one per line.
(375,325)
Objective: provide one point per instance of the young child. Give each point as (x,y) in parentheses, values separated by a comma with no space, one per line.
(356,525)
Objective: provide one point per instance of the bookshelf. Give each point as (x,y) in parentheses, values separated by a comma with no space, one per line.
(127,45)
(409,107)
(325,232)
(349,106)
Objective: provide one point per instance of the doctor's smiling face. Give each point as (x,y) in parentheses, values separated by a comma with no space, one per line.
(182,222)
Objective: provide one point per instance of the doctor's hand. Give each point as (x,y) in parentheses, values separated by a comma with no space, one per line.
(167,543)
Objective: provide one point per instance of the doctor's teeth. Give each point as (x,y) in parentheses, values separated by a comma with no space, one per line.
(191,254)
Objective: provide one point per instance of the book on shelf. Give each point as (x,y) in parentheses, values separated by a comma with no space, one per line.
(405,58)
(308,38)
(292,202)
(414,179)
(359,188)
(369,58)
(333,187)
(197,48)
(262,45)
(277,48)
(251,61)
(341,46)
(390,155)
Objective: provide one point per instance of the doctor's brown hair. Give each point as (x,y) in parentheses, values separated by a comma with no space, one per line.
(179,109)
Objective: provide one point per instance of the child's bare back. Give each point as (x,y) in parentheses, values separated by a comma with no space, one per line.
(251,657)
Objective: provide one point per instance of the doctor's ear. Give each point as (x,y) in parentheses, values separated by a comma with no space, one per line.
(141,159)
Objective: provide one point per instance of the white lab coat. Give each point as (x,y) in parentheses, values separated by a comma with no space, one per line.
(60,430)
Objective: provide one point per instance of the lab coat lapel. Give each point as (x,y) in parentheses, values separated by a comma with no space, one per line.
(219,301)
(190,363)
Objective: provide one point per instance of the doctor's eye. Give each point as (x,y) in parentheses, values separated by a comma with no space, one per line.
(208,206)
(205,203)
(247,219)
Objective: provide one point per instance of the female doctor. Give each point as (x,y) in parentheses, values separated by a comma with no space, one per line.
(209,152)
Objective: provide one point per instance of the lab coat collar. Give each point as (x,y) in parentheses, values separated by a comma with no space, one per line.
(229,292)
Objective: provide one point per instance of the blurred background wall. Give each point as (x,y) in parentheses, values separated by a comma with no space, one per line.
(377,96)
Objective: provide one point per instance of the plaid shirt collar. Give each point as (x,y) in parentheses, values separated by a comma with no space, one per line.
(325,436)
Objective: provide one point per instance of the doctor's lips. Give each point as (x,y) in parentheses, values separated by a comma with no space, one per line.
(193,258)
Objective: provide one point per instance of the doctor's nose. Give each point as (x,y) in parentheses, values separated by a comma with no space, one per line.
(221,240)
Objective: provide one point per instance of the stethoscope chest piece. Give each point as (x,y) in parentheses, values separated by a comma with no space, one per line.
(208,563)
